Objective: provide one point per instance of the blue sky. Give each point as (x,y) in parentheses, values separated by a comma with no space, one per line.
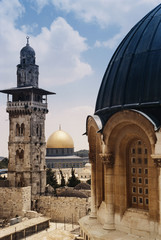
(74,41)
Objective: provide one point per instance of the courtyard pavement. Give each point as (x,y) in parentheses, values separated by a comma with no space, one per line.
(57,231)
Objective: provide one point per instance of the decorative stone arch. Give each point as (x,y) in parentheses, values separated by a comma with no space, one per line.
(19,156)
(22,129)
(120,130)
(18,130)
(97,180)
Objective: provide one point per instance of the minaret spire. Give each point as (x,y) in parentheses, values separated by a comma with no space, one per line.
(59,127)
(27,40)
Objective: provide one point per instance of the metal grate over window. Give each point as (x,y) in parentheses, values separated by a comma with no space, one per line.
(137,181)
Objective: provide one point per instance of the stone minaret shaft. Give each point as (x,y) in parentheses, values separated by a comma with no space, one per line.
(27,109)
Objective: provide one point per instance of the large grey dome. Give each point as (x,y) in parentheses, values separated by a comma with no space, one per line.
(27,55)
(27,50)
(133,77)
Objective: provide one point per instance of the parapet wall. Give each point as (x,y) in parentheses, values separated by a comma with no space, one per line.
(63,209)
(14,201)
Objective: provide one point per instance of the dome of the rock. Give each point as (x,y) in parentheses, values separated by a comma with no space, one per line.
(60,139)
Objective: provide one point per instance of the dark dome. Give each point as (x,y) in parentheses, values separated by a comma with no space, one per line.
(84,186)
(27,51)
(133,77)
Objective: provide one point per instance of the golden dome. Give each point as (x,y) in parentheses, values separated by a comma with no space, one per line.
(60,139)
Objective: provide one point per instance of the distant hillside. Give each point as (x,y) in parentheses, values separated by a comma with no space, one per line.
(4,163)
(82,153)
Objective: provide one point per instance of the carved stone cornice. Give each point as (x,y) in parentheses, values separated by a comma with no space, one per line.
(107,159)
(92,157)
(157,160)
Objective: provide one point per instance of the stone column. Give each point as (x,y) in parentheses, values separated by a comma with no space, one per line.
(92,158)
(157,163)
(108,161)
(156,156)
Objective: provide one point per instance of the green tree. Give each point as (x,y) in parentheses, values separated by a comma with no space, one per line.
(62,179)
(73,180)
(51,178)
(88,181)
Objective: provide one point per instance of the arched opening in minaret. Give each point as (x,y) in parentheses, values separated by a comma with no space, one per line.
(22,129)
(17,129)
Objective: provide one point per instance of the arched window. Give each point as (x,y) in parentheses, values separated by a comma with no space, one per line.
(19,157)
(22,129)
(17,154)
(137,175)
(21,154)
(17,129)
(40,130)
(37,130)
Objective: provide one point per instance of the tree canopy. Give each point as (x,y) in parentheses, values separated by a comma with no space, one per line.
(73,180)
(62,178)
(51,178)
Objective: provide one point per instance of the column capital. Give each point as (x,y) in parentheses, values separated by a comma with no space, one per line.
(107,159)
(157,159)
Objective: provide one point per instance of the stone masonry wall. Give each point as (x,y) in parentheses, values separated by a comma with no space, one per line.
(14,201)
(63,209)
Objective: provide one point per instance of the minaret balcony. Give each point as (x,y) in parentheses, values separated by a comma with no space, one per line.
(25,105)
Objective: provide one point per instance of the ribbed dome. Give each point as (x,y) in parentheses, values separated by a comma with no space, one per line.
(72,193)
(60,139)
(27,50)
(133,77)
(82,185)
(27,55)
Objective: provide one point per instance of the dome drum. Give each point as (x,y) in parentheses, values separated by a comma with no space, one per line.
(59,151)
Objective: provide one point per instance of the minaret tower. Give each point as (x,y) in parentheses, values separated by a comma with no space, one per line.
(27,107)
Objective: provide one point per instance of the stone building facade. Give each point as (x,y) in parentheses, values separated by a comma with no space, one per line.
(125,140)
(27,107)
(14,201)
(63,209)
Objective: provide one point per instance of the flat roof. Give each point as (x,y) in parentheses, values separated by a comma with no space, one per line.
(27,89)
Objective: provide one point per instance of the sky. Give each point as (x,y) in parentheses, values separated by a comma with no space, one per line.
(74,41)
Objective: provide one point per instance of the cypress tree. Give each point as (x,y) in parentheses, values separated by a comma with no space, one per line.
(73,180)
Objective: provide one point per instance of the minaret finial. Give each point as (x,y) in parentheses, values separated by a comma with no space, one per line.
(59,127)
(27,40)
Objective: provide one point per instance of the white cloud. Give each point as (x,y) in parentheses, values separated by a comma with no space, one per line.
(29,28)
(7,8)
(121,13)
(111,43)
(4,129)
(58,49)
(59,54)
(104,12)
(39,4)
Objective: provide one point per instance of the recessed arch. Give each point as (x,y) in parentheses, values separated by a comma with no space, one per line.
(120,133)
